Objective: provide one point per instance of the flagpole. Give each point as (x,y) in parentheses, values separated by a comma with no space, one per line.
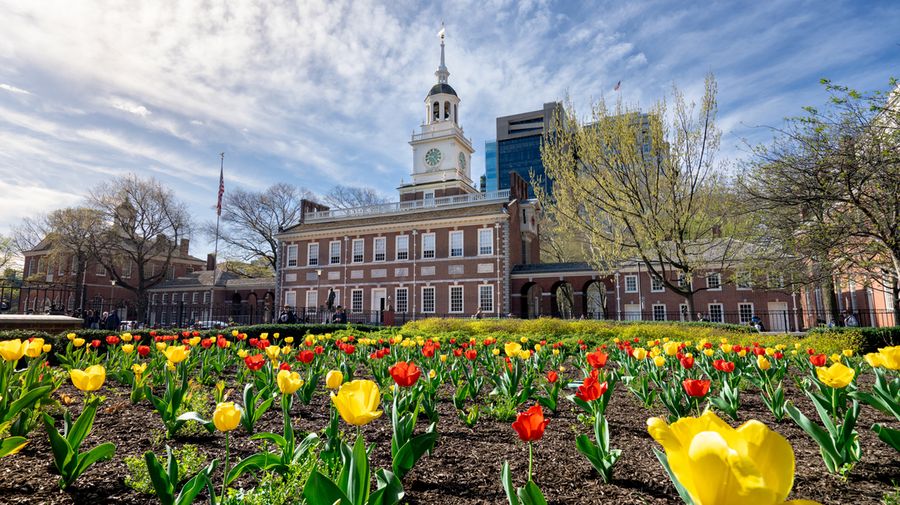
(216,247)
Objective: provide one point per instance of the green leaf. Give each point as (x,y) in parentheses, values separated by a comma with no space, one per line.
(62,451)
(163,486)
(506,480)
(99,453)
(682,492)
(889,436)
(320,490)
(258,461)
(587,448)
(192,488)
(355,475)
(390,489)
(812,429)
(531,494)
(193,416)
(83,425)
(12,445)
(25,401)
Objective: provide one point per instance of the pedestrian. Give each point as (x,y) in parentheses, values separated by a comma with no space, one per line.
(851,321)
(112,321)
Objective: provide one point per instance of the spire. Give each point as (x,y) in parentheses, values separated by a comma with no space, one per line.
(442,73)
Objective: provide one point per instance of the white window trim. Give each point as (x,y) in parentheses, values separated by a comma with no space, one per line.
(205,297)
(194,297)
(625,282)
(709,307)
(433,248)
(662,287)
(462,299)
(493,307)
(397,298)
(100,272)
(665,316)
(752,311)
(288,295)
(362,300)
(292,250)
(719,276)
(433,299)
(312,293)
(310,256)
(331,253)
(397,248)
(375,241)
(462,244)
(362,255)
(481,244)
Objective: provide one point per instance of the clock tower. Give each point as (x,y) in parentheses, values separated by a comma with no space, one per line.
(442,154)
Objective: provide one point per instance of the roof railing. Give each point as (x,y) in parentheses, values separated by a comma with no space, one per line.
(409,206)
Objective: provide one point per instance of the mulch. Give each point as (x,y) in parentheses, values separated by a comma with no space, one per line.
(465,466)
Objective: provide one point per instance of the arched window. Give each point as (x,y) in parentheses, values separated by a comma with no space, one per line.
(436,111)
(446,110)
(455,113)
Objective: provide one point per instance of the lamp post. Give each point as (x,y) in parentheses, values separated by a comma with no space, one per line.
(318,281)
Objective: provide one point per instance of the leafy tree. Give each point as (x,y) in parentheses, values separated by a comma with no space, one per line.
(256,269)
(647,188)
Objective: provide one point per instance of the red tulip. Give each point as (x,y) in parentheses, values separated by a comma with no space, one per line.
(457,352)
(428,350)
(221,342)
(255,362)
(687,362)
(471,354)
(818,359)
(759,351)
(143,350)
(95,343)
(405,374)
(530,424)
(112,340)
(597,359)
(552,376)
(696,387)
(348,349)
(319,349)
(306,356)
(253,341)
(206,343)
(591,389)
(723,366)
(778,355)
(736,348)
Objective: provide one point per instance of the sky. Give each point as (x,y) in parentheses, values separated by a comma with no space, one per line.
(319,93)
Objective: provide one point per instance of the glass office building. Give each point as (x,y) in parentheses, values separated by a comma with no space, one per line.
(518,149)
(490,166)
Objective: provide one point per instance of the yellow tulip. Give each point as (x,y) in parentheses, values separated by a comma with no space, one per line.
(89,379)
(432,373)
(177,353)
(874,359)
(770,351)
(659,361)
(276,335)
(13,350)
(78,342)
(512,349)
(763,363)
(289,340)
(126,337)
(264,336)
(71,336)
(273,351)
(243,353)
(443,358)
(524,340)
(671,348)
(128,348)
(726,348)
(334,379)
(288,382)
(47,347)
(34,348)
(836,376)
(719,464)
(170,366)
(227,416)
(160,346)
(556,352)
(742,353)
(835,358)
(357,402)
(639,353)
(708,352)
(847,352)
(495,351)
(890,357)
(235,333)
(524,354)
(537,347)
(139,370)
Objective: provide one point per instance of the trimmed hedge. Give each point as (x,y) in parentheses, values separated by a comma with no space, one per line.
(871,338)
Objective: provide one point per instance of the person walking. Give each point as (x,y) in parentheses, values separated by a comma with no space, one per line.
(112,321)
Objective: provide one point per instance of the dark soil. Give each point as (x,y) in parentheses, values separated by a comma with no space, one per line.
(465,466)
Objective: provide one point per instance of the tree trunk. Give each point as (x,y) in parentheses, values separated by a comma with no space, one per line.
(689,300)
(141,306)
(829,300)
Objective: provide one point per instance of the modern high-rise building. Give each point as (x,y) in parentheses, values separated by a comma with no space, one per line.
(518,148)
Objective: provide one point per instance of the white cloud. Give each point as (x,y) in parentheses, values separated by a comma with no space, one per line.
(13,89)
(129,106)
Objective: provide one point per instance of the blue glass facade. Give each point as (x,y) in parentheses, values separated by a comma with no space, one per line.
(523,156)
(490,166)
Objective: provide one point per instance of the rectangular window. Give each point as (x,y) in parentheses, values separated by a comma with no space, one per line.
(153,299)
(428,245)
(62,268)
(776,281)
(312,254)
(101,270)
(401,296)
(631,284)
(428,300)
(126,269)
(485,242)
(659,312)
(165,298)
(656,284)
(194,298)
(743,280)
(170,273)
(402,243)
(745,312)
(334,252)
(456,299)
(292,255)
(356,300)
(312,299)
(184,297)
(380,247)
(682,280)
(456,244)
(714,281)
(359,250)
(486,298)
(716,313)
(290,298)
(205,297)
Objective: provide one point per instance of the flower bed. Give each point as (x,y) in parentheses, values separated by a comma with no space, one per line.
(458,416)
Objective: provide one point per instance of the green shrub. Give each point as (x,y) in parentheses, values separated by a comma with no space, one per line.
(275,489)
(190,461)
(871,338)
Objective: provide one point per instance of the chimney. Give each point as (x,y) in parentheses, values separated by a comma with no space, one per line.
(210,262)
(185,246)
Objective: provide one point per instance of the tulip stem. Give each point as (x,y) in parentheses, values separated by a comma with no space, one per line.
(834,406)
(529,461)
(225,470)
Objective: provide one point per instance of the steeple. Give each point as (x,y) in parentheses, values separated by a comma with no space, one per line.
(442,73)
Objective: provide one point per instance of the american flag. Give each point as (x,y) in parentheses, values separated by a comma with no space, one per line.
(221,186)
(617,86)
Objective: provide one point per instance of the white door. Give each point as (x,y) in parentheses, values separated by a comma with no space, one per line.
(632,312)
(379,302)
(778,316)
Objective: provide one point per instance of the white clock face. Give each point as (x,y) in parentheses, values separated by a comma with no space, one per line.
(462,161)
(433,157)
